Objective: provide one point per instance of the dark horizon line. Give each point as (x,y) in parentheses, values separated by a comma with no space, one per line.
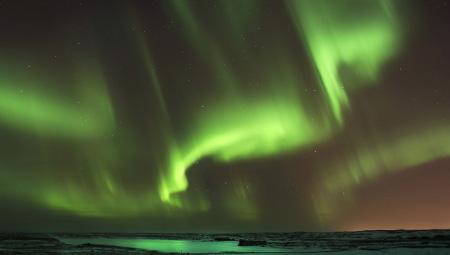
(212,233)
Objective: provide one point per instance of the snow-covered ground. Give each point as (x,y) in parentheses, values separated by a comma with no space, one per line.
(365,243)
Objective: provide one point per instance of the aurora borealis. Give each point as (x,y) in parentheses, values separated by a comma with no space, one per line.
(267,115)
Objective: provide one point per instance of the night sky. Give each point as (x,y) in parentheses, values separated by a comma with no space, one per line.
(224,115)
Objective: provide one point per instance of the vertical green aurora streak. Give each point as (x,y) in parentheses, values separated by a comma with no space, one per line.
(338,36)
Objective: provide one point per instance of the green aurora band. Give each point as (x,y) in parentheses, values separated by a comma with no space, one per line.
(90,115)
(278,120)
(369,160)
(239,125)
